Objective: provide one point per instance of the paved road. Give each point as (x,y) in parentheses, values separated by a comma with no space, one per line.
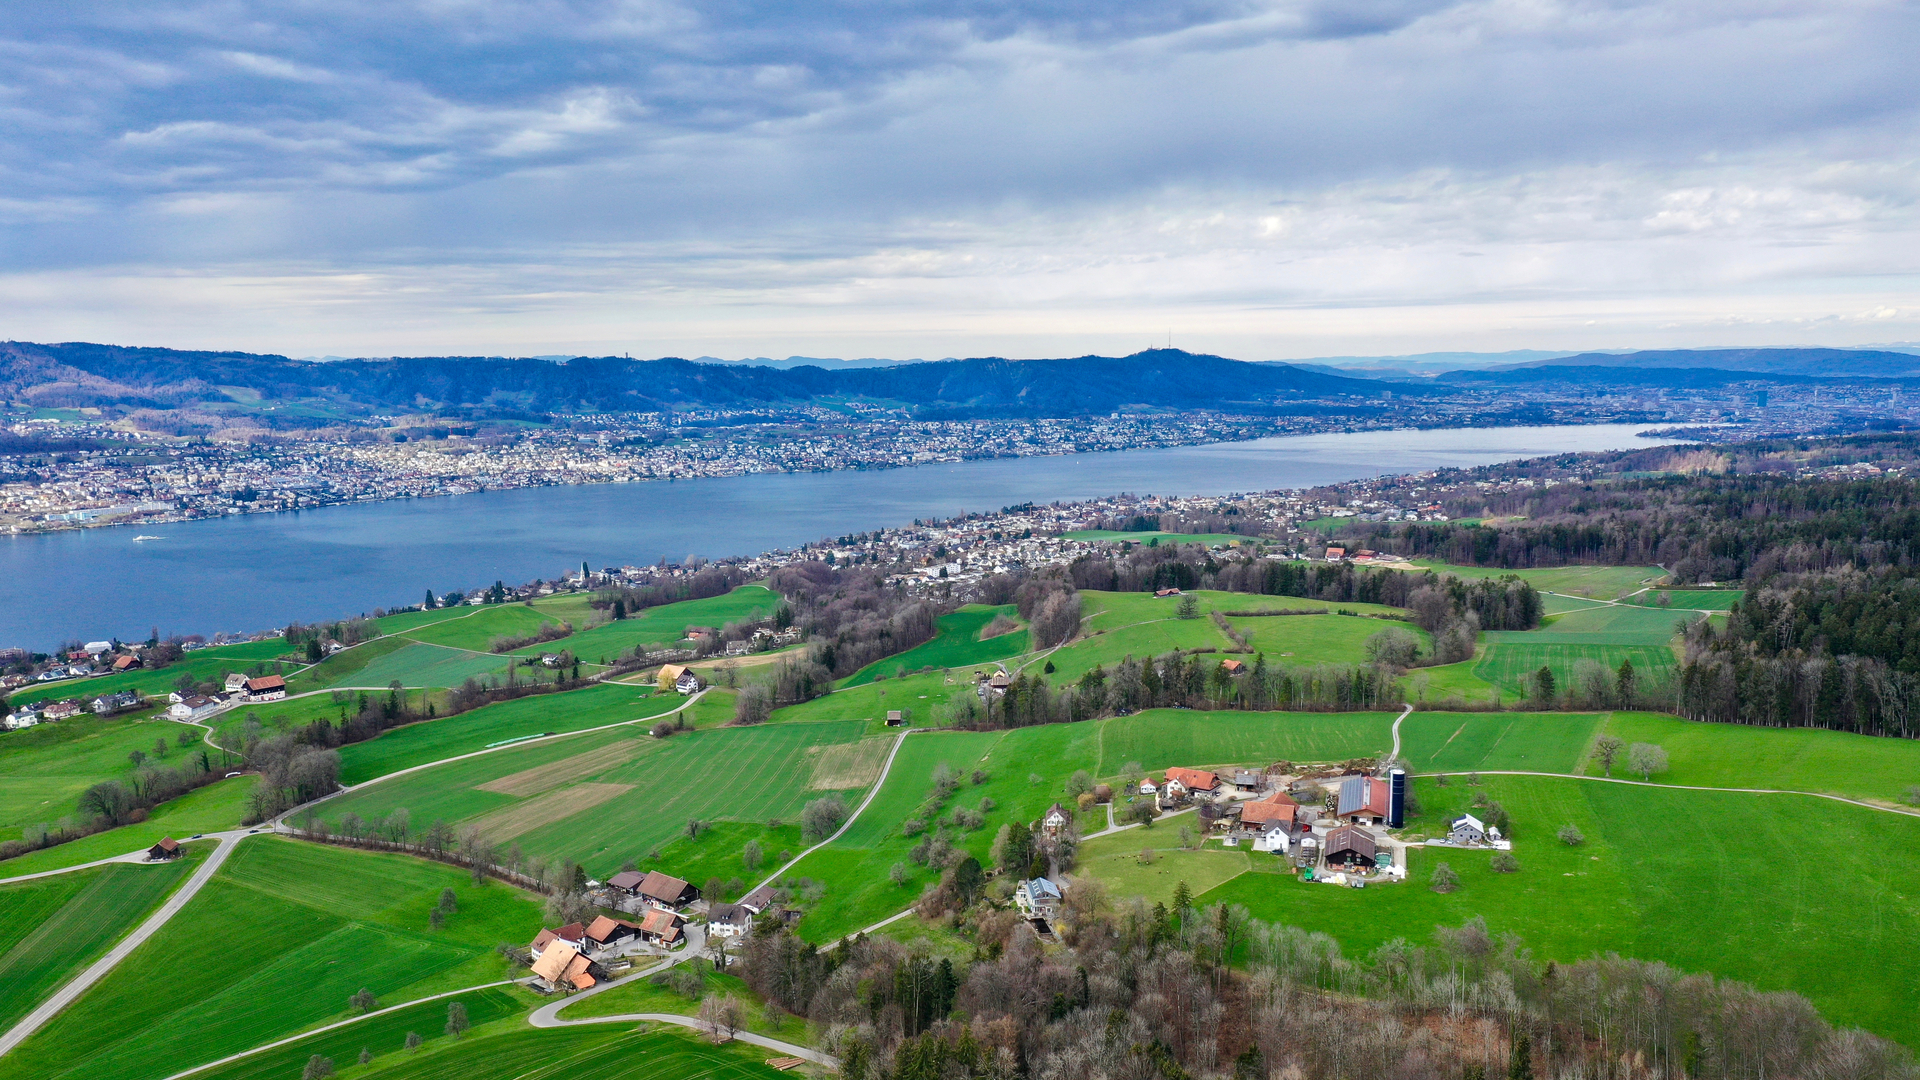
(851,818)
(1404,713)
(99,969)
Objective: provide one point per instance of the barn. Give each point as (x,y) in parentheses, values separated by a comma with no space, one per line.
(1351,845)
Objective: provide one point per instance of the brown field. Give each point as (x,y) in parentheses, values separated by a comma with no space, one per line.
(525,817)
(847,765)
(551,775)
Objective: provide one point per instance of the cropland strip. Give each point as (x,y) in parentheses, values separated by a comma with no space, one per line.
(554,806)
(549,776)
(847,765)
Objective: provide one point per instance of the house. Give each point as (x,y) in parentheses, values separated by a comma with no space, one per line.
(1038,898)
(61,710)
(21,720)
(627,881)
(1467,829)
(998,683)
(1056,819)
(167,848)
(13,682)
(193,708)
(739,648)
(1363,801)
(266,688)
(113,703)
(1242,780)
(728,920)
(126,663)
(1148,787)
(670,676)
(604,933)
(562,967)
(1351,845)
(1173,791)
(1335,554)
(235,683)
(1166,592)
(1193,779)
(666,891)
(1232,667)
(662,927)
(758,900)
(1275,836)
(1219,816)
(54,674)
(572,934)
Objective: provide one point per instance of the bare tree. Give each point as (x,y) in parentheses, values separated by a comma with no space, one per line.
(721,1015)
(1646,759)
(1607,749)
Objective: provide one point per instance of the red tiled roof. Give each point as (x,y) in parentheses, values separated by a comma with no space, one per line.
(1194,779)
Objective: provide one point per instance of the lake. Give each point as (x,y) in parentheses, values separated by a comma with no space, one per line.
(255,571)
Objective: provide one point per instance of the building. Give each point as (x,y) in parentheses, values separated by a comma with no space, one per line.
(669,676)
(1351,845)
(1056,819)
(126,663)
(1232,667)
(1148,787)
(662,927)
(729,920)
(61,710)
(106,704)
(99,648)
(572,934)
(1166,592)
(1364,800)
(758,900)
(896,718)
(562,967)
(193,708)
(627,881)
(666,891)
(1196,780)
(265,688)
(605,933)
(1468,830)
(1038,898)
(167,848)
(1243,780)
(235,683)
(1276,809)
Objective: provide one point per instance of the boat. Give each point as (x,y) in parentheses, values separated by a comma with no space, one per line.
(139,539)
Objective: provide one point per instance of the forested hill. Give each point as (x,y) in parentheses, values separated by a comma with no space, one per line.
(84,374)
(1818,363)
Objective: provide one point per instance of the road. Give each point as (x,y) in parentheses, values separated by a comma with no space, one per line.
(1687,787)
(66,995)
(549,1021)
(1395,754)
(851,818)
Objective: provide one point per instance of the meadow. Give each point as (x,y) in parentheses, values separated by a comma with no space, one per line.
(1511,662)
(871,701)
(219,805)
(1121,862)
(1594,582)
(1797,759)
(48,766)
(278,941)
(417,664)
(1694,599)
(477,630)
(607,1052)
(1462,742)
(956,644)
(52,928)
(385,1034)
(1312,639)
(665,624)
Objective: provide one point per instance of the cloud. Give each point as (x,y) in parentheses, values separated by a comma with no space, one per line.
(1023,172)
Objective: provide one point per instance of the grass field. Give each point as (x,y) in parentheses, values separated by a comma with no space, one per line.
(1116,862)
(1511,661)
(1158,738)
(417,744)
(217,806)
(1596,582)
(277,942)
(956,645)
(385,1034)
(1461,742)
(604,797)
(52,928)
(48,766)
(478,627)
(1450,681)
(1209,539)
(870,702)
(1112,610)
(639,995)
(667,623)
(1797,759)
(418,664)
(1786,892)
(609,1052)
(1696,599)
(343,668)
(1107,648)
(1309,639)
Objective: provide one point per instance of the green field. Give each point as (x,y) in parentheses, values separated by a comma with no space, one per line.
(433,740)
(607,796)
(343,668)
(1209,539)
(1510,662)
(639,995)
(385,1033)
(275,943)
(1116,862)
(52,928)
(418,664)
(477,629)
(1462,742)
(609,1052)
(219,805)
(870,702)
(1311,639)
(48,766)
(1795,759)
(1112,610)
(665,624)
(1141,641)
(1449,681)
(1158,738)
(1695,599)
(1596,582)
(1785,892)
(956,645)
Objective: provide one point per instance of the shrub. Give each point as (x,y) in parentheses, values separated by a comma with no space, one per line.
(1444,880)
(980,776)
(821,818)
(1504,863)
(1571,836)
(899,874)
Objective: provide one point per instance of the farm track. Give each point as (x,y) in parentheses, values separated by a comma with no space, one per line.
(1685,787)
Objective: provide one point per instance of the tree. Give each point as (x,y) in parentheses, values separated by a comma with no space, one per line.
(1393,646)
(413,1040)
(457,1020)
(1182,897)
(318,1068)
(1607,749)
(448,902)
(899,874)
(108,799)
(822,818)
(363,1001)
(1543,686)
(754,705)
(366,1054)
(1189,607)
(751,856)
(1504,863)
(1623,684)
(138,757)
(1571,836)
(720,1013)
(1079,783)
(1520,1065)
(1443,880)
(1646,759)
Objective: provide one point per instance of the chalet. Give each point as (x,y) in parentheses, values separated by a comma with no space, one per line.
(728,920)
(266,688)
(235,683)
(572,934)
(758,900)
(1232,667)
(662,927)
(1056,819)
(1242,780)
(126,663)
(1363,801)
(167,848)
(562,966)
(1193,779)
(604,933)
(193,707)
(1038,898)
(666,891)
(61,710)
(1468,830)
(998,683)
(1351,845)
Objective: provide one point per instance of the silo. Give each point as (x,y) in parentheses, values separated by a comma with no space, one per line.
(1396,798)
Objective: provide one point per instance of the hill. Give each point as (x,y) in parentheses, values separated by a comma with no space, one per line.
(1822,363)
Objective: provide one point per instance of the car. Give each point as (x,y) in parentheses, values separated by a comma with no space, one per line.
(196,836)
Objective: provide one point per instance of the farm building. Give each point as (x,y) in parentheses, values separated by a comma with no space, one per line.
(758,900)
(606,933)
(126,663)
(1351,845)
(1243,780)
(167,848)
(895,718)
(1193,779)
(1363,801)
(728,920)
(1232,667)
(662,927)
(1278,806)
(1218,816)
(190,708)
(266,688)
(1467,829)
(667,891)
(627,881)
(1166,592)
(572,934)
(562,967)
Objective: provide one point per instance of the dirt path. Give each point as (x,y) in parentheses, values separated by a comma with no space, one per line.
(1685,787)
(851,818)
(543,1018)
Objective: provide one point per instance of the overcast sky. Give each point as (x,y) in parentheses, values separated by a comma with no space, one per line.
(876,178)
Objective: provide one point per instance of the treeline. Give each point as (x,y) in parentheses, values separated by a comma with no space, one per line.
(852,614)
(1146,992)
(706,582)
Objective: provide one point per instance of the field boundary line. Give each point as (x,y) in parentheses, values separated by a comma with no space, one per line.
(231,1058)
(100,968)
(1903,811)
(851,818)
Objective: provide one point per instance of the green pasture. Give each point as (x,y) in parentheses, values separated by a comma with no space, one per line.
(1795,759)
(1594,582)
(872,701)
(1308,639)
(343,668)
(716,853)
(1155,538)
(419,664)
(666,624)
(384,1033)
(52,928)
(275,943)
(1119,862)
(1158,738)
(1462,742)
(753,774)
(434,740)
(477,629)
(1449,681)
(288,714)
(1113,610)
(47,767)
(1107,648)
(219,805)
(1510,662)
(956,645)
(1693,599)
(641,996)
(1785,892)
(607,1052)
(405,621)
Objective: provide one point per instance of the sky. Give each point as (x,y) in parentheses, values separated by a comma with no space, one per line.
(895,178)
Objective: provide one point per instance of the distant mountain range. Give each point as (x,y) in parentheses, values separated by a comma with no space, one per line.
(1812,362)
